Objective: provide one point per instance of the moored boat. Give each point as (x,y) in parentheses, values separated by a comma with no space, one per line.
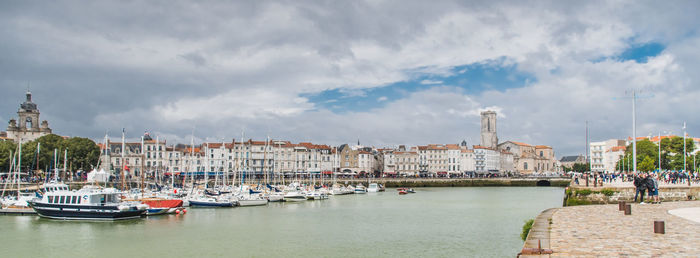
(89,203)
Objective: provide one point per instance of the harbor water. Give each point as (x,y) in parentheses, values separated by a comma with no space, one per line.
(434,222)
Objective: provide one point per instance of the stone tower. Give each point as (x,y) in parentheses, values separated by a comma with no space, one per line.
(489,138)
(28,127)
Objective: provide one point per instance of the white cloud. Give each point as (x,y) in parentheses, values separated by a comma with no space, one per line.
(224,67)
(429,82)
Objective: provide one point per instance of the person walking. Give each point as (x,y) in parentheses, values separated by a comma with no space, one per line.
(637,181)
(642,187)
(649,182)
(655,193)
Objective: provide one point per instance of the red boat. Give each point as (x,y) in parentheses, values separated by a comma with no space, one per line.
(162,206)
(402,192)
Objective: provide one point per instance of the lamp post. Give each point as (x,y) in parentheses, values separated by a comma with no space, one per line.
(684,154)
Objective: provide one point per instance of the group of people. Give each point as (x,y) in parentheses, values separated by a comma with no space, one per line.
(647,182)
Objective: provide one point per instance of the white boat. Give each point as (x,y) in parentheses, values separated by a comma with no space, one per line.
(337,190)
(252,202)
(360,189)
(251,199)
(276,197)
(316,195)
(373,188)
(294,196)
(349,189)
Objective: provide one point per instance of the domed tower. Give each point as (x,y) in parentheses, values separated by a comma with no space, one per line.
(28,127)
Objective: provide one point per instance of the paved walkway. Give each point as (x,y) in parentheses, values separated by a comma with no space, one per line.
(692,214)
(602,230)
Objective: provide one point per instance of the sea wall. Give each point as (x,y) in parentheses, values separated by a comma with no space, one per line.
(421,182)
(605,195)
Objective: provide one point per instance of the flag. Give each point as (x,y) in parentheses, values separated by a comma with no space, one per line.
(127,168)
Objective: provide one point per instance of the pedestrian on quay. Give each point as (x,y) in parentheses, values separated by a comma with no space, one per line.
(637,182)
(576,179)
(655,194)
(649,182)
(643,186)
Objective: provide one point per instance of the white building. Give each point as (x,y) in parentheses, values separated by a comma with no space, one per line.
(487,160)
(597,155)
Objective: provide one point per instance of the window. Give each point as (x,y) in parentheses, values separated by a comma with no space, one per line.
(73,199)
(51,199)
(63,199)
(525,165)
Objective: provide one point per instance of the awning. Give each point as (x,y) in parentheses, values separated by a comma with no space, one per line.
(327,172)
(442,173)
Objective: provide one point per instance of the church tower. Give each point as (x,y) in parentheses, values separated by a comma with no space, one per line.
(489,138)
(27,127)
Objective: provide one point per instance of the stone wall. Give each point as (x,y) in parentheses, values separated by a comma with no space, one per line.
(604,195)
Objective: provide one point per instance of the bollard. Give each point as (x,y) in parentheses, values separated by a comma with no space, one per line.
(628,209)
(659,227)
(621,206)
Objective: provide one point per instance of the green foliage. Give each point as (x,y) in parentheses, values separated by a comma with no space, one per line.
(6,147)
(575,202)
(82,152)
(581,167)
(526,229)
(647,165)
(608,191)
(584,192)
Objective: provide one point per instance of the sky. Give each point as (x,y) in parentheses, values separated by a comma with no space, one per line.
(332,72)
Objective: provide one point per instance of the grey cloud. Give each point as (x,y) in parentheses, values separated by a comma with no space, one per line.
(87,60)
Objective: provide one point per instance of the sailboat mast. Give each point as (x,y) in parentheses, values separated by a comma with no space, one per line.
(55,161)
(267,141)
(19,165)
(155,174)
(123,159)
(192,158)
(65,163)
(143,158)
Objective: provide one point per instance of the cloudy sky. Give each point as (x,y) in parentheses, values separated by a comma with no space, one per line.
(383,72)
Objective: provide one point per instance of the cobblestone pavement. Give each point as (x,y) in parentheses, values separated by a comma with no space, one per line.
(603,231)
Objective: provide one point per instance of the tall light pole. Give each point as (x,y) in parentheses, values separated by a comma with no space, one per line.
(684,154)
(634,131)
(659,152)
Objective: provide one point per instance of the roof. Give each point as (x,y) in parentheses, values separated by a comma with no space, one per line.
(482,147)
(570,158)
(542,147)
(521,143)
(452,146)
(619,148)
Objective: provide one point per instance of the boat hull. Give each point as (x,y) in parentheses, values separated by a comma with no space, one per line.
(295,199)
(84,212)
(210,204)
(245,203)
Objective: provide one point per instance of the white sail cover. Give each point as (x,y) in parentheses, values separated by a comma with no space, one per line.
(97,176)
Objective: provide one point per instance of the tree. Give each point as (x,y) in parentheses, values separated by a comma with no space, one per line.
(6,147)
(83,153)
(645,149)
(43,160)
(672,152)
(581,167)
(646,165)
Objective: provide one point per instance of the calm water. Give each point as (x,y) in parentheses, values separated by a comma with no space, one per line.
(435,222)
